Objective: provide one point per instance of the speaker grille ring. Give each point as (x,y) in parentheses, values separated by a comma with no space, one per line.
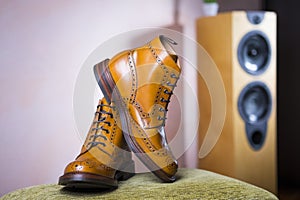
(254,103)
(254,52)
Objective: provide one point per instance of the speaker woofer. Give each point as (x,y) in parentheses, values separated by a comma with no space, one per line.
(254,52)
(254,105)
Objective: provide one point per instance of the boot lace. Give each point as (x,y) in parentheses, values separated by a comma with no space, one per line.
(100,132)
(163,118)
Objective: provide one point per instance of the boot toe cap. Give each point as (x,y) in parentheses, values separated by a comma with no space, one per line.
(80,166)
(89,166)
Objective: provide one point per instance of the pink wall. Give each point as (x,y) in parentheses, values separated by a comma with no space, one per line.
(43,46)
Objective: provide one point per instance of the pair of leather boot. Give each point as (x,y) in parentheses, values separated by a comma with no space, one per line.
(137,85)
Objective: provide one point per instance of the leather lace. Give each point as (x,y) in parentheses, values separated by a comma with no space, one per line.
(163,100)
(99,134)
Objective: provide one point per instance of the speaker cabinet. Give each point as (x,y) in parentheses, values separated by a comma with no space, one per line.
(243,47)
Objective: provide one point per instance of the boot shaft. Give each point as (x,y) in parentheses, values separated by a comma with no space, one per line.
(146,77)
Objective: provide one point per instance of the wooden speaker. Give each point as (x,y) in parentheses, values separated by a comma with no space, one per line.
(243,46)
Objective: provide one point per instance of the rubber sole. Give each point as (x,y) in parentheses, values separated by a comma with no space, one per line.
(82,180)
(86,180)
(104,81)
(111,92)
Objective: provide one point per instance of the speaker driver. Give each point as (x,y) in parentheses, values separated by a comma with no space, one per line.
(254,105)
(255,102)
(254,52)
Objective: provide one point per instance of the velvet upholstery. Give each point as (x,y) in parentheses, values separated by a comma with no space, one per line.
(191,184)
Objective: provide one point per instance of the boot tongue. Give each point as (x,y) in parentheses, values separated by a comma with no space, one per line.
(163,46)
(174,57)
(103,101)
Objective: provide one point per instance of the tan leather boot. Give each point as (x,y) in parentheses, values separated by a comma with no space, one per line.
(141,82)
(104,158)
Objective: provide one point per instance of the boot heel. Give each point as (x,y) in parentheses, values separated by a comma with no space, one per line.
(126,173)
(104,79)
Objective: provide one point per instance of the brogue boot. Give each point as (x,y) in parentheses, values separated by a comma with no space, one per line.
(141,82)
(104,158)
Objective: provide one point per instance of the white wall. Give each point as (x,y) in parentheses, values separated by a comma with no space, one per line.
(42,47)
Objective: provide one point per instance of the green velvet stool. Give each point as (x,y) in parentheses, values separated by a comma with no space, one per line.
(191,184)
